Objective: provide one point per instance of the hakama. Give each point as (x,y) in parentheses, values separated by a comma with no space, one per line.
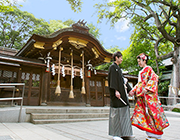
(119,122)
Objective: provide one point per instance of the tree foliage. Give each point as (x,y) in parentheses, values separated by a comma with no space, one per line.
(93,30)
(163,15)
(7,5)
(143,40)
(106,65)
(75,5)
(160,20)
(17,26)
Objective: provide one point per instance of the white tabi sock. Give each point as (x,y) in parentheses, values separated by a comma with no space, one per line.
(117,138)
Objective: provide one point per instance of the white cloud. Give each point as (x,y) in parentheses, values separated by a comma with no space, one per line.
(120,37)
(122,25)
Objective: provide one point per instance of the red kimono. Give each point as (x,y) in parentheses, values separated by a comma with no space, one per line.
(148,113)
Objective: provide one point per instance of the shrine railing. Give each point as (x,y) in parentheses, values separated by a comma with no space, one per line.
(13,86)
(170,101)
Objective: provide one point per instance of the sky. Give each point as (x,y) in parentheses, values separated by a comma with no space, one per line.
(61,10)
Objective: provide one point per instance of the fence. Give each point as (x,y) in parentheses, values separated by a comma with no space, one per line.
(173,101)
(13,86)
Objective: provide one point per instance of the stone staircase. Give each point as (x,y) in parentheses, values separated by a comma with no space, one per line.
(64,115)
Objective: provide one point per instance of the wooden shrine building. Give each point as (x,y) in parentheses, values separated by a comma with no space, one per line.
(59,69)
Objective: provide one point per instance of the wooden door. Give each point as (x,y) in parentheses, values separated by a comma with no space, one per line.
(32,87)
(96,93)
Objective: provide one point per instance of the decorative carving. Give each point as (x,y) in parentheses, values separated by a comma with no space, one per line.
(39,45)
(57,43)
(107,60)
(81,23)
(95,52)
(80,26)
(77,43)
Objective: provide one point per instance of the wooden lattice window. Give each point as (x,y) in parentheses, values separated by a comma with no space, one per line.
(7,76)
(35,80)
(25,78)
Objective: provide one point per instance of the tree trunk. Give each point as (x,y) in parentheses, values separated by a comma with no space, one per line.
(174,86)
(157,66)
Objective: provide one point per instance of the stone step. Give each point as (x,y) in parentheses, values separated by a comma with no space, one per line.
(40,116)
(63,115)
(48,121)
(60,115)
(60,110)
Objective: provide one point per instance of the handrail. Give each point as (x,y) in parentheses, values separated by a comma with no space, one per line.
(166,99)
(169,97)
(12,85)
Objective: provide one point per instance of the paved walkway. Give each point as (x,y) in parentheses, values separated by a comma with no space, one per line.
(96,130)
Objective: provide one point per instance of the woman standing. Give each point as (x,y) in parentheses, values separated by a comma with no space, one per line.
(148,113)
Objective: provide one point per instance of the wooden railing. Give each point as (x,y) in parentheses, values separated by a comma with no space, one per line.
(174,100)
(13,86)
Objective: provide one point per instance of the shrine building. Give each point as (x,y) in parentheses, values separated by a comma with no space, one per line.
(59,69)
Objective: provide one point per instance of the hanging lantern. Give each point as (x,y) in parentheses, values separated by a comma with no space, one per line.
(89,73)
(47,69)
(106,83)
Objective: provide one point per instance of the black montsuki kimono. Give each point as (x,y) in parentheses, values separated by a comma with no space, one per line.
(119,114)
(116,82)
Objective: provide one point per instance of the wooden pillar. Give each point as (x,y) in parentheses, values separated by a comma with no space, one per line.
(71,95)
(83,83)
(87,86)
(44,88)
(103,89)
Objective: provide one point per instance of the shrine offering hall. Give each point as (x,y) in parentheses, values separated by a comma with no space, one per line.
(59,69)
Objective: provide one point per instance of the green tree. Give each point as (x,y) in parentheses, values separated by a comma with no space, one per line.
(93,30)
(143,40)
(7,5)
(17,26)
(164,14)
(106,65)
(55,25)
(75,5)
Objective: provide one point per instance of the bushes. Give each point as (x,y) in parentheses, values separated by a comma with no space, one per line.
(163,88)
(176,110)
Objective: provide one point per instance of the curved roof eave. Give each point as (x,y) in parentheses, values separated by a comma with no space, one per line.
(54,36)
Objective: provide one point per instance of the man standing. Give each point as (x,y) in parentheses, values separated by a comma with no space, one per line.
(119,117)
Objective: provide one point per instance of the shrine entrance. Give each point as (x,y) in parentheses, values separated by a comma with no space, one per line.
(32,86)
(96,92)
(60,69)
(68,54)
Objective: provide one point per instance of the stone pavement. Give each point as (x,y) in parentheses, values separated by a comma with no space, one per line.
(93,130)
